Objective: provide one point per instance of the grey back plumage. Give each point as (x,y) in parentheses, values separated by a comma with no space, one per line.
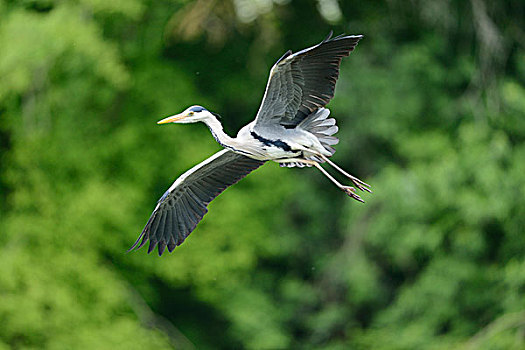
(301,83)
(183,206)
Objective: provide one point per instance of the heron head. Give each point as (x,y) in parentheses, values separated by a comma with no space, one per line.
(191,114)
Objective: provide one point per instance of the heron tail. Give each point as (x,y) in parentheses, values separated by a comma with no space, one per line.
(322,127)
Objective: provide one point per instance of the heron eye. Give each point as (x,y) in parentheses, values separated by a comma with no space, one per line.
(190,114)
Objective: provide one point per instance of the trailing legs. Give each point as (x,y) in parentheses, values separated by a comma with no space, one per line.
(349,190)
(363,186)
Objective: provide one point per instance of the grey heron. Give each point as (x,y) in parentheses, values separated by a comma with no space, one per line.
(292,128)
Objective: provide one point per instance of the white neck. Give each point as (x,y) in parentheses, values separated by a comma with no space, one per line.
(220,136)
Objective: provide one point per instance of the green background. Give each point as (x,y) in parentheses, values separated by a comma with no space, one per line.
(431,110)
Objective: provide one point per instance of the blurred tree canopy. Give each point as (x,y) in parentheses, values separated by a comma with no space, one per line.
(431,109)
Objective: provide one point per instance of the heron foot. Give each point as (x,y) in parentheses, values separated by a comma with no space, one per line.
(363,186)
(349,190)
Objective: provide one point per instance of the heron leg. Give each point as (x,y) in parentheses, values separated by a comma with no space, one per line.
(363,186)
(349,190)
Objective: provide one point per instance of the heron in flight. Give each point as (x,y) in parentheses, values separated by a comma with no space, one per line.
(292,128)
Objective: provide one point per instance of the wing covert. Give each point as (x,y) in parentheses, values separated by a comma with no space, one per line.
(184,204)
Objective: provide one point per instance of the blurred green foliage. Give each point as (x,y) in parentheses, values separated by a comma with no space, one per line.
(431,109)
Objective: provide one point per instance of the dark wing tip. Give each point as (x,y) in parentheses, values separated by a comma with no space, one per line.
(286,54)
(344,36)
(136,245)
(144,235)
(152,244)
(162,247)
(328,36)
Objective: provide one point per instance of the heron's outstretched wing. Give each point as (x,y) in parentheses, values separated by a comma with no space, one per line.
(302,82)
(183,205)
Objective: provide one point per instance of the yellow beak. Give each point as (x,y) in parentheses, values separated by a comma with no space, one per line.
(172,119)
